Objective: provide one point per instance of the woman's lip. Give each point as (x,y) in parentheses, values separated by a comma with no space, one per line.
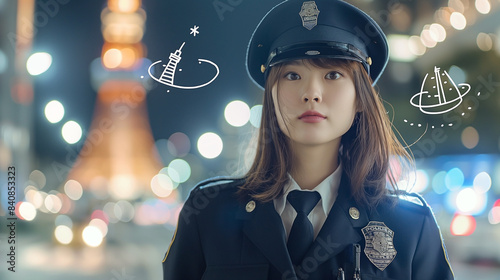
(311,113)
(312,119)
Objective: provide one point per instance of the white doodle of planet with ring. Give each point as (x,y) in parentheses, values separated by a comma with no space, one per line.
(439,94)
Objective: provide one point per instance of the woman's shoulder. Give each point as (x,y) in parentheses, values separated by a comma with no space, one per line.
(215,191)
(413,202)
(405,205)
(215,185)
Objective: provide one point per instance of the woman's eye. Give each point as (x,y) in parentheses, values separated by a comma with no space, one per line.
(292,76)
(333,75)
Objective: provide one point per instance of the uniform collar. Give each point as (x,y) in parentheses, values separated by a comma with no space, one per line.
(264,228)
(328,190)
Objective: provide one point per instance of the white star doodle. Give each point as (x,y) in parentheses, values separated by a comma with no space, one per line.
(194,30)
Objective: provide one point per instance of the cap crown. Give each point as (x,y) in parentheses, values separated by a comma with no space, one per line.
(297,29)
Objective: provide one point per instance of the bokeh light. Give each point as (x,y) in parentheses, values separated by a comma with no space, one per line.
(112,58)
(482,182)
(483,6)
(53,203)
(179,144)
(454,178)
(399,45)
(71,132)
(416,46)
(38,63)
(210,145)
(27,211)
(54,111)
(161,185)
(463,225)
(36,198)
(256,115)
(101,225)
(426,38)
(466,200)
(417,181)
(38,178)
(437,32)
(92,236)
(237,113)
(41,206)
(438,182)
(458,21)
(484,42)
(494,215)
(73,189)
(63,234)
(124,6)
(470,137)
(182,168)
(457,74)
(172,175)
(109,209)
(124,211)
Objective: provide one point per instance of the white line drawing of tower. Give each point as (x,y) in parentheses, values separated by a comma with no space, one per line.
(439,84)
(168,74)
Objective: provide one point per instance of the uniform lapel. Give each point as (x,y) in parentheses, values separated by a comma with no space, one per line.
(340,228)
(263,226)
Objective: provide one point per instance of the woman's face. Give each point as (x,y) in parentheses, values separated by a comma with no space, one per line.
(313,105)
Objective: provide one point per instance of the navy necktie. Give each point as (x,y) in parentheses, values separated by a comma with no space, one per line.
(302,233)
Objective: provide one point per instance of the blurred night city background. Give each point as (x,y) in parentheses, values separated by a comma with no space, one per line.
(104,155)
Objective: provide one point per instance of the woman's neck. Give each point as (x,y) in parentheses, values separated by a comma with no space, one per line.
(312,164)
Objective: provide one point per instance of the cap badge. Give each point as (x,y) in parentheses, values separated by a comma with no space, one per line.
(309,14)
(312,52)
(379,248)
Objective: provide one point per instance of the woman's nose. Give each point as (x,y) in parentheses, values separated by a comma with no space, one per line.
(312,91)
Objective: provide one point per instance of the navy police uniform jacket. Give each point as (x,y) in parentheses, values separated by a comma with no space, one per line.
(221,237)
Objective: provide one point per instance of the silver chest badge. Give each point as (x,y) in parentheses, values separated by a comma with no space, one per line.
(309,14)
(379,247)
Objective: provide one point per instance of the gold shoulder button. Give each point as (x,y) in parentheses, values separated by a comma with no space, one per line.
(354,213)
(250,206)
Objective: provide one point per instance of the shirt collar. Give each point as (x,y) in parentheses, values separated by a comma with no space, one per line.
(328,190)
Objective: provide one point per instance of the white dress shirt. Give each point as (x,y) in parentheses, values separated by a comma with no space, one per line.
(328,190)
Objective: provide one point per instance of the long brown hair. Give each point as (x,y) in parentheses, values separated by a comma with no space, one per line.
(365,151)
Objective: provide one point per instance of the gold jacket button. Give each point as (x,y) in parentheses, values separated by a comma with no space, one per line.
(354,213)
(250,206)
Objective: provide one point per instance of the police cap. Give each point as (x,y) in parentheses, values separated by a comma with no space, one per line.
(297,29)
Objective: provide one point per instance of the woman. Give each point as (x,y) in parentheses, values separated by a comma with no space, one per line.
(314,204)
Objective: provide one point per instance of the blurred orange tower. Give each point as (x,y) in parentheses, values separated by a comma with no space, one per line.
(119,158)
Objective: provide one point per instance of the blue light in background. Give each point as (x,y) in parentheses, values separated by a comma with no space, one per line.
(438,182)
(454,179)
